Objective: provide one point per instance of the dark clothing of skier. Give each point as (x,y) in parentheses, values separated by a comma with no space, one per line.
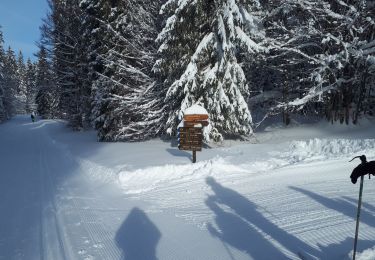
(33,117)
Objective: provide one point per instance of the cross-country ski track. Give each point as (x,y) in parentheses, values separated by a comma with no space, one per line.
(65,196)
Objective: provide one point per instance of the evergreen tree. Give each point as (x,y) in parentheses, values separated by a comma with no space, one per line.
(347,74)
(46,96)
(10,83)
(122,109)
(68,52)
(201,50)
(322,50)
(3,114)
(230,56)
(62,36)
(31,91)
(95,35)
(21,89)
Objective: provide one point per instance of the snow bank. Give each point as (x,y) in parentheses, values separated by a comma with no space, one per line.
(322,149)
(368,254)
(153,177)
(144,180)
(97,172)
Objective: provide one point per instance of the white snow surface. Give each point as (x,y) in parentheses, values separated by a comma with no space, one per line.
(368,254)
(284,195)
(195,110)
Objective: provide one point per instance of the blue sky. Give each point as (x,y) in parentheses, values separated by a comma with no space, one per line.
(20,21)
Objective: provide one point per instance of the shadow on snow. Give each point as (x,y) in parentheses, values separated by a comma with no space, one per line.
(246,229)
(138,237)
(348,207)
(339,205)
(179,153)
(341,250)
(365,205)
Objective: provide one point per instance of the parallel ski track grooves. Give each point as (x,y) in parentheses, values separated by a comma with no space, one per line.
(42,197)
(94,228)
(85,222)
(187,209)
(46,173)
(96,231)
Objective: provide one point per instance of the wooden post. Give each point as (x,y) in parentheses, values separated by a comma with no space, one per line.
(190,135)
(358,214)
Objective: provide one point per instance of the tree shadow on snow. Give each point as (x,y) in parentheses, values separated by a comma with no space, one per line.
(365,205)
(340,205)
(233,230)
(179,153)
(241,224)
(138,237)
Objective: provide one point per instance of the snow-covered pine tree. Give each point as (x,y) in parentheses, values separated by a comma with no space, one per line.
(294,31)
(322,43)
(62,34)
(202,47)
(21,90)
(67,34)
(48,101)
(143,104)
(3,116)
(347,74)
(367,47)
(122,106)
(31,91)
(46,96)
(267,88)
(95,33)
(10,83)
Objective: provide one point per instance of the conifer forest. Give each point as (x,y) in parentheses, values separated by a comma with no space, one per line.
(130,68)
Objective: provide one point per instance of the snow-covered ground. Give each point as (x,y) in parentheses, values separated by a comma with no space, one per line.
(284,195)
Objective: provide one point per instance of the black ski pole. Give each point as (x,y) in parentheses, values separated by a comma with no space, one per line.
(358,214)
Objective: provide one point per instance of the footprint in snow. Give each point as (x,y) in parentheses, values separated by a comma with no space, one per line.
(98,246)
(82,252)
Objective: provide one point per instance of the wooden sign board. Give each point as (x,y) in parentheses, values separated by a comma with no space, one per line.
(190,138)
(195,117)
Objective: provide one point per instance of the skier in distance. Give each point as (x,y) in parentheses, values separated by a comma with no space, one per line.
(33,117)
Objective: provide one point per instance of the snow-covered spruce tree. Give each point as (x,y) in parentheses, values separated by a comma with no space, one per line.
(267,88)
(123,109)
(201,49)
(143,105)
(3,116)
(10,83)
(62,34)
(21,90)
(69,52)
(46,96)
(347,75)
(31,91)
(367,48)
(95,20)
(295,30)
(319,43)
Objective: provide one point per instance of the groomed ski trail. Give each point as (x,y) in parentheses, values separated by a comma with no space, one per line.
(64,196)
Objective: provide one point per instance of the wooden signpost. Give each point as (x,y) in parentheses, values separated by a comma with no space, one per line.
(192,118)
(190,139)
(190,136)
